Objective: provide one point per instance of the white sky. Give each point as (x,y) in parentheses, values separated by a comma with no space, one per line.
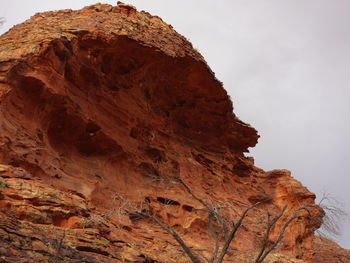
(286,65)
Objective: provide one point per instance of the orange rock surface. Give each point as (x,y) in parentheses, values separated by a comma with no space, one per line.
(327,251)
(107,100)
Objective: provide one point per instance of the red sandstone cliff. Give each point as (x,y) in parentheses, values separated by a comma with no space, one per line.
(105,100)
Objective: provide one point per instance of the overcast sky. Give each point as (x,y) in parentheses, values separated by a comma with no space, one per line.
(285,64)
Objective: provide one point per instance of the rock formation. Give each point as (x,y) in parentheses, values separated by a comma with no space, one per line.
(106,100)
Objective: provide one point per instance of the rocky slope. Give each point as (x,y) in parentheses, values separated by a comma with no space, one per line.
(109,101)
(327,251)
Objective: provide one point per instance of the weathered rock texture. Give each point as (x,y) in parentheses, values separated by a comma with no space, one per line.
(327,251)
(107,100)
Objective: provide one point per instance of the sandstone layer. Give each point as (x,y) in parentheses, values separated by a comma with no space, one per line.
(107,100)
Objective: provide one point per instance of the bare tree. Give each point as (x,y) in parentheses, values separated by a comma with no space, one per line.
(2,21)
(222,230)
(305,211)
(334,213)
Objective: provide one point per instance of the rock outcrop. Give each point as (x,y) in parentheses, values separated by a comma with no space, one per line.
(107,100)
(327,251)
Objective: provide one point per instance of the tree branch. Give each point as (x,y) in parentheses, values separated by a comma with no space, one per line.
(233,232)
(282,231)
(185,248)
(270,225)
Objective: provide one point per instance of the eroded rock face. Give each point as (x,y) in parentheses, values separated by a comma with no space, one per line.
(327,251)
(107,100)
